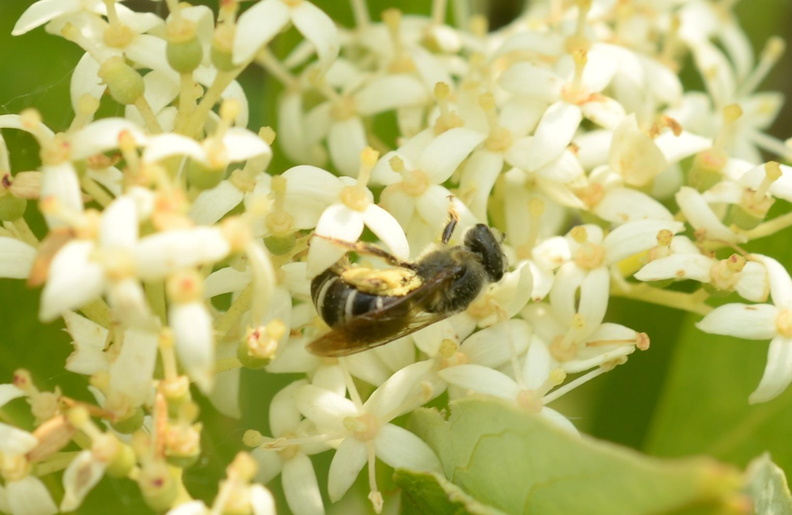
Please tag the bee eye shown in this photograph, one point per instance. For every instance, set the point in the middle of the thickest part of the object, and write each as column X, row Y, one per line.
column 480, row 240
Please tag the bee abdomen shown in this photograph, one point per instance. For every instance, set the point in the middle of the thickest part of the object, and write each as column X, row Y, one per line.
column 337, row 301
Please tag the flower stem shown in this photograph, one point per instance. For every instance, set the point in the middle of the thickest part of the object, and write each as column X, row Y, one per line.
column 691, row 302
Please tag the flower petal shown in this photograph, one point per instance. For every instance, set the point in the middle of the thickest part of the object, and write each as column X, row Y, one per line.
column 300, row 486
column 387, row 229
column 318, row 28
column 753, row 322
column 82, row 474
column 400, row 448
column 163, row 253
column 442, row 156
column 481, row 379
column 778, row 372
column 349, row 459
column 256, row 26
column 29, row 496
column 195, row 347
column 16, row 258
column 73, row 280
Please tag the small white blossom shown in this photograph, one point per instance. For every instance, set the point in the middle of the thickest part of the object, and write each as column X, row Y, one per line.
column 762, row 322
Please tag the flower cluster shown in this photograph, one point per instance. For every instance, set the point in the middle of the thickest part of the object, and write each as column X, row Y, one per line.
column 568, row 131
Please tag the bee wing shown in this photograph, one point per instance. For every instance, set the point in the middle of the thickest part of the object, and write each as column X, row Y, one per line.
column 356, row 334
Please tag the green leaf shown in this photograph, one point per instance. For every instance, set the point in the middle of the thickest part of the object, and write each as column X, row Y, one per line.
column 520, row 463
column 707, row 393
column 768, row 487
column 427, row 492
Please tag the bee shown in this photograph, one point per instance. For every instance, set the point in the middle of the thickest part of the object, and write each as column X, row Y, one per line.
column 367, row 307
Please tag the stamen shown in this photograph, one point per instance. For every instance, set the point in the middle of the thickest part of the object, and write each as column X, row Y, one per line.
column 447, row 119
column 771, row 53
column 360, row 13
column 585, row 378
column 439, row 12
column 772, row 174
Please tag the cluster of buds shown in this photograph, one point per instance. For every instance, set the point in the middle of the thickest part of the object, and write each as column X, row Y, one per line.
column 178, row 255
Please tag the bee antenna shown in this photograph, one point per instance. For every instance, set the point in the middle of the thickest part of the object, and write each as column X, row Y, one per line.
column 452, row 222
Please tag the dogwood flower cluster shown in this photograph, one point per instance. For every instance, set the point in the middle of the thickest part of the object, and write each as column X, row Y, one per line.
column 568, row 131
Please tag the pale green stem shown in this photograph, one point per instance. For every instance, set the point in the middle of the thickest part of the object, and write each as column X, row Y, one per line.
column 198, row 118
column 231, row 318
column 91, row 187
column 155, row 295
column 225, row 364
column 770, row 227
column 152, row 124
column 186, row 102
column 98, row 311
column 361, row 14
column 55, row 463
column 271, row 63
column 691, row 302
column 23, row 232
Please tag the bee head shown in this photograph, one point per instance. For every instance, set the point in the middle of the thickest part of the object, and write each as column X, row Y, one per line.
column 480, row 240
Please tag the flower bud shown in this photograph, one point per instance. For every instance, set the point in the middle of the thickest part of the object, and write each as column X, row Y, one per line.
column 131, row 423
column 280, row 245
column 184, row 50
column 203, row 178
column 222, row 44
column 123, row 82
column 185, row 57
column 11, row 208
column 157, row 485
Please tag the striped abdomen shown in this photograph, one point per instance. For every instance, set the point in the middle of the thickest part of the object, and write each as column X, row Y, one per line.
column 337, row 301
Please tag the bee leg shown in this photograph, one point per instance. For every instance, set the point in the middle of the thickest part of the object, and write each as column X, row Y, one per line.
column 451, row 225
column 368, row 249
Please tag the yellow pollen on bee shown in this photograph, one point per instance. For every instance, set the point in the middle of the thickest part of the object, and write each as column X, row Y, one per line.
column 784, row 322
column 391, row 281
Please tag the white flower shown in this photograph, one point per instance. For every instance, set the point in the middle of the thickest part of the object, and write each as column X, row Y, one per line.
column 349, row 206
column 297, row 473
column 762, row 322
column 83, row 269
column 82, row 474
column 534, row 379
column 703, row 217
column 747, row 278
column 259, row 24
column 16, row 258
column 365, row 430
column 23, row 493
column 414, row 174
column 581, row 342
